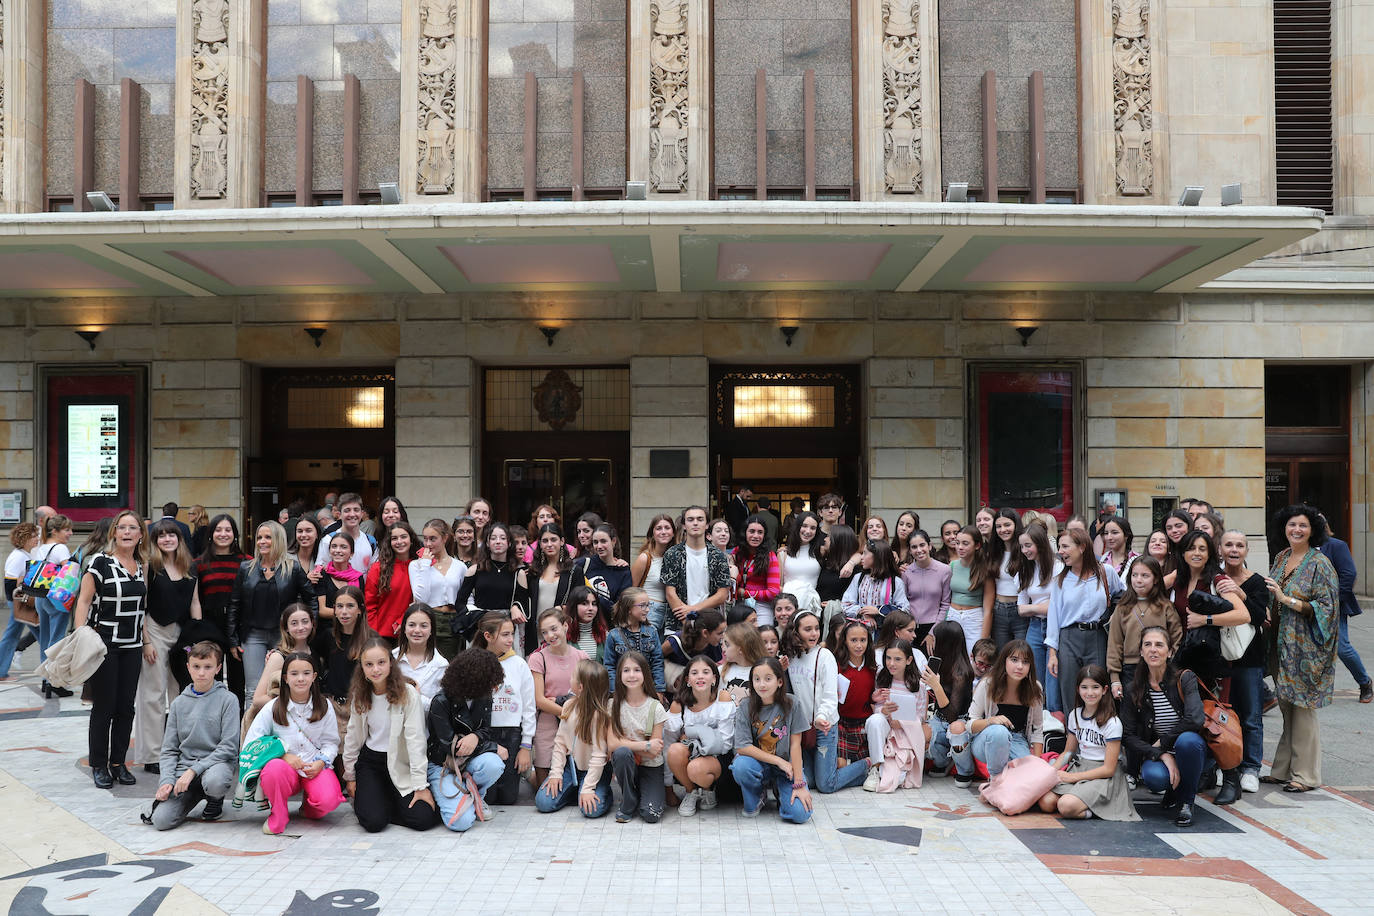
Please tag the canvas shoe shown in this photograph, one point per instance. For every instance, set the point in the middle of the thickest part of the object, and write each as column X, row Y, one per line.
column 688, row 806
column 872, row 779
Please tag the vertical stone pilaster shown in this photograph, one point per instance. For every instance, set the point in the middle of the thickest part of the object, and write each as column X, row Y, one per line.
column 670, row 97
column 899, row 100
column 916, row 439
column 441, row 101
column 219, row 103
column 669, row 403
column 435, row 420
column 1123, row 155
column 1352, row 69
column 21, row 106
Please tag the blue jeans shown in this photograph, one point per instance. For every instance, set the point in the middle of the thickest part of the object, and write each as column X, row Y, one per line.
column 996, row 746
column 752, row 776
column 1190, row 753
column 1347, row 654
column 1035, row 635
column 485, row 769
column 1245, row 696
column 945, row 747
column 10, row 641
column 547, row 803
column 52, row 624
column 658, row 613
column 1007, row 623
column 821, row 764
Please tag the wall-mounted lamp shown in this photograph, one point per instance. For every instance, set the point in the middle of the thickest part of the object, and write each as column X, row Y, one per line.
column 788, row 332
column 100, row 201
column 1027, row 332
column 89, row 337
column 317, row 334
column 957, row 192
column 549, row 332
column 1191, row 196
column 390, row 191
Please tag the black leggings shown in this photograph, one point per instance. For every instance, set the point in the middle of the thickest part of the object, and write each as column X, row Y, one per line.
column 376, row 801
column 113, row 688
column 506, row 790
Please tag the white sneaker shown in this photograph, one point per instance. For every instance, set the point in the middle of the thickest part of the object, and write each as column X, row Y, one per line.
column 688, row 806
column 1221, row 777
column 706, row 799
column 1249, row 783
column 755, row 812
column 872, row 779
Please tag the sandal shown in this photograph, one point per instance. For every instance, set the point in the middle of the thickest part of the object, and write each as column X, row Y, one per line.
column 1298, row 787
column 1273, row 780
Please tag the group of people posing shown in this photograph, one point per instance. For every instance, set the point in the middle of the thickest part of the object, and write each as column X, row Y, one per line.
column 425, row 674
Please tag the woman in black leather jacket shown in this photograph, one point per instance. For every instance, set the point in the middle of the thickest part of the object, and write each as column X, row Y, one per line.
column 1161, row 723
column 263, row 587
column 464, row 759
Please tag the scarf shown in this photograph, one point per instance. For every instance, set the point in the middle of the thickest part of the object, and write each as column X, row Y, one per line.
column 348, row 575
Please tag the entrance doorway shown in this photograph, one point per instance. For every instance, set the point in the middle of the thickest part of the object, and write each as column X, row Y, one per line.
column 787, row 433
column 321, row 431
column 1307, row 444
column 558, row 436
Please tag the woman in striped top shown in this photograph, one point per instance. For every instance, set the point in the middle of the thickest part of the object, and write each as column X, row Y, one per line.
column 1162, row 722
column 215, row 572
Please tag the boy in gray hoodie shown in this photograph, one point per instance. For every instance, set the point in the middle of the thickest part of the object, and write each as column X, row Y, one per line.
column 200, row 748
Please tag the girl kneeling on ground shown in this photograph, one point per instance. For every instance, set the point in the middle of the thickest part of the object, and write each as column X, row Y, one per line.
column 1090, row 781
column 767, row 726
column 463, row 762
column 578, row 768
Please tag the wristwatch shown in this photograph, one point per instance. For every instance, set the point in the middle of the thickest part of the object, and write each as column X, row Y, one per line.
column 1209, row 620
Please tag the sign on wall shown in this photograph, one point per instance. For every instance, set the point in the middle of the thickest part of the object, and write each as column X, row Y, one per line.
column 95, row 442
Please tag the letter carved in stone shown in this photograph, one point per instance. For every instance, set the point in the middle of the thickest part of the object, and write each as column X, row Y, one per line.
column 438, row 95
column 668, row 96
column 901, row 96
column 1132, row 103
column 210, row 99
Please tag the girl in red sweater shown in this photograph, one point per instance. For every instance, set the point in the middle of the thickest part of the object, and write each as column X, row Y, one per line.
column 856, row 704
column 759, row 580
column 388, row 580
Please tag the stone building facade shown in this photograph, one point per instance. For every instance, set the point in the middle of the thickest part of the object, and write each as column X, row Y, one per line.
column 795, row 155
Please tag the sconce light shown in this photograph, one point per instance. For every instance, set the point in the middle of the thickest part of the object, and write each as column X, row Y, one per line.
column 317, row 334
column 788, row 332
column 88, row 336
column 1027, row 332
column 549, row 333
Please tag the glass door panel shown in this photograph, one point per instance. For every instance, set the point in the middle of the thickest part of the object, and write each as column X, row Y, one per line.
column 585, row 485
column 529, row 482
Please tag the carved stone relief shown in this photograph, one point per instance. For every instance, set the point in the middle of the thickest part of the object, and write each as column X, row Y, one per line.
column 668, row 96
column 1132, row 102
column 2, row 99
column 209, row 99
column 901, row 96
column 438, row 94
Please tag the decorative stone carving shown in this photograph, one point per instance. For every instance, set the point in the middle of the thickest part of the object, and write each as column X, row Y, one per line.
column 668, row 79
column 902, row 96
column 2, row 99
column 437, row 87
column 1132, row 105
column 210, row 99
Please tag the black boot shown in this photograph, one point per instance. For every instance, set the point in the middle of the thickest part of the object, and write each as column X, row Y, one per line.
column 1230, row 788
column 1185, row 816
column 123, row 776
column 25, row 641
column 103, row 778
column 1170, row 801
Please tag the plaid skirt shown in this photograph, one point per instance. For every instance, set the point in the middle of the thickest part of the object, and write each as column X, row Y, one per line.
column 853, row 743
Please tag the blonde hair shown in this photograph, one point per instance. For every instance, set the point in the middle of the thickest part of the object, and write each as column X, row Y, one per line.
column 278, row 559
column 140, row 549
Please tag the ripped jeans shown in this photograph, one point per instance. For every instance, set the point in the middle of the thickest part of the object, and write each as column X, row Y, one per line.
column 945, row 747
column 821, row 764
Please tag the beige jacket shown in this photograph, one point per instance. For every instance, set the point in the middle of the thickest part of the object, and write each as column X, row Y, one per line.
column 1123, row 636
column 590, row 759
column 405, row 755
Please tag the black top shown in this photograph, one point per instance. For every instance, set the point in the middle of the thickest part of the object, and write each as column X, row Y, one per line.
column 960, row 698
column 1016, row 713
column 338, row 667
column 1257, row 603
column 492, row 590
column 245, row 611
column 170, row 602
column 830, row 586
column 262, row 613
column 450, row 718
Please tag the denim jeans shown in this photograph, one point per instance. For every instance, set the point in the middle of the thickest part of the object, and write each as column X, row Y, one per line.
column 945, row 747
column 1245, row 696
column 1190, row 753
column 641, row 787
column 752, row 776
column 10, row 641
column 1007, row 623
column 821, row 764
column 255, row 657
column 547, row 803
column 995, row 745
column 1347, row 654
column 658, row 613
column 1035, row 635
column 52, row 623
column 448, row 792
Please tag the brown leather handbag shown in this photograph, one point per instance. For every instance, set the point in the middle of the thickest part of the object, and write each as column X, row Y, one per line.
column 1220, row 728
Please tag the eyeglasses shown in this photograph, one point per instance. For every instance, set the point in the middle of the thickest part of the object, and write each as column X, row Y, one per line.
column 643, row 605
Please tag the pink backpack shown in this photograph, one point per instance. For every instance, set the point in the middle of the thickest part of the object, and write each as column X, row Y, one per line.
column 1020, row 785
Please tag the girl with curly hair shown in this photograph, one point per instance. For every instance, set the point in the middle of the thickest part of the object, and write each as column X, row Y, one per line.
column 463, row 760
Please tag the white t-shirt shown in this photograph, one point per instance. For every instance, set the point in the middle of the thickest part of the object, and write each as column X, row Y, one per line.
column 1093, row 738
column 698, row 576
column 1037, row 592
column 15, row 564
column 1007, row 585
column 362, row 553
column 379, row 724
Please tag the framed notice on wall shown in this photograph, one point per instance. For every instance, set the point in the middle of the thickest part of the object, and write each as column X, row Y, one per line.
column 96, row 442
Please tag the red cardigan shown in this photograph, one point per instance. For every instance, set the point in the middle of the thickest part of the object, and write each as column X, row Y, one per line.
column 385, row 609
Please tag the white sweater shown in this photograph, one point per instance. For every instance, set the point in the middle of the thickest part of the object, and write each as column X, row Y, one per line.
column 513, row 703
column 815, row 674
column 308, row 740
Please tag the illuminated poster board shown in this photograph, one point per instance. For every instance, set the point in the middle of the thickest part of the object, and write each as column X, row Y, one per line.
column 95, row 442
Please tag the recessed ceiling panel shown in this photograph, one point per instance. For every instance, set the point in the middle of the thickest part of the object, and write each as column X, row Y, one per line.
column 291, row 267
column 534, row 263
column 56, row 270
column 798, row 262
column 1069, row 263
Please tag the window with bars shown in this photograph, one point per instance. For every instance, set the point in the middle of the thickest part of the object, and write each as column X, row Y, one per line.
column 362, row 407
column 1303, row 150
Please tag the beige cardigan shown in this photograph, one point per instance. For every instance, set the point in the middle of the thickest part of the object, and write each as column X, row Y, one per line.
column 405, row 756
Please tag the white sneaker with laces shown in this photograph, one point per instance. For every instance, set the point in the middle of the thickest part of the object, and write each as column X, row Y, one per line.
column 1249, row 783
column 707, row 799
column 872, row 779
column 688, row 806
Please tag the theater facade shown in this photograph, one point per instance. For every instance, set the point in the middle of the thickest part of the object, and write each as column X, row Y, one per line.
column 625, row 257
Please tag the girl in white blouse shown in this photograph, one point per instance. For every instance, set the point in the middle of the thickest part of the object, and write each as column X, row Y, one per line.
column 435, row 579
column 417, row 655
column 700, row 734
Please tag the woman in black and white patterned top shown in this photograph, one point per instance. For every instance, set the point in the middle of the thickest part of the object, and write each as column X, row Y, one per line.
column 113, row 600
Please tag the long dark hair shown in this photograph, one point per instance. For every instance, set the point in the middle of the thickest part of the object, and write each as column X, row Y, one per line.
column 1210, row 570
column 419, row 607
column 1157, row 598
column 318, row 706
column 235, row 549
column 1127, row 535
column 1028, row 691
column 472, row 675
column 840, row 645
column 540, row 562
column 294, row 547
column 576, row 595
column 841, row 544
column 794, row 541
column 594, row 522
column 1092, row 569
column 1141, row 685
column 951, row 648
column 360, row 688
column 887, row 630
column 979, row 566
column 682, row 692
column 386, row 554
column 791, row 643
column 911, row 677
column 1176, row 549
column 361, row 631
column 997, row 549
column 622, row 693
column 1106, row 707
column 884, row 561
column 753, row 561
column 484, row 560
column 1039, row 572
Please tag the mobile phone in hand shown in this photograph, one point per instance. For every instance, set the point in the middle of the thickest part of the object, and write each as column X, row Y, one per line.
column 933, row 663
